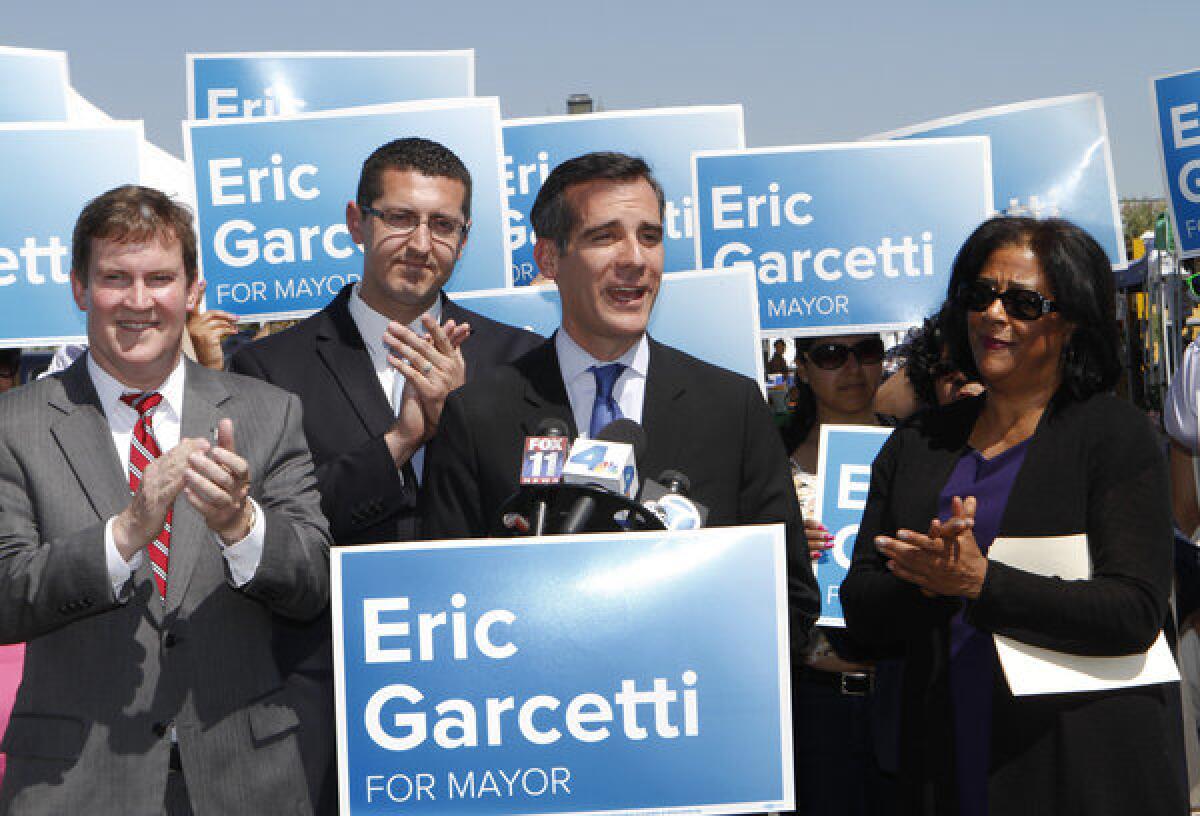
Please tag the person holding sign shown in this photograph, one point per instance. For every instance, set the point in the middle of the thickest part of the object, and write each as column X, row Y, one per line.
column 372, row 370
column 154, row 515
column 1045, row 452
column 598, row 219
column 837, row 772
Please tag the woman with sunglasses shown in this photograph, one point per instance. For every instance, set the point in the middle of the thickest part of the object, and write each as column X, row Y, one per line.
column 832, row 691
column 1046, row 451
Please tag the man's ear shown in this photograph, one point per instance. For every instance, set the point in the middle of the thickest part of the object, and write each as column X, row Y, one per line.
column 79, row 291
column 545, row 254
column 195, row 293
column 462, row 244
column 354, row 223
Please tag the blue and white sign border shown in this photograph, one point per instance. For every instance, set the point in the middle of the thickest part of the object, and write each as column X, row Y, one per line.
column 340, row 113
column 783, row 653
column 866, row 328
column 1168, row 187
column 193, row 58
column 1033, row 104
column 137, row 128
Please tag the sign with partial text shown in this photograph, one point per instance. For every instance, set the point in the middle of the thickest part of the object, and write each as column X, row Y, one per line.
column 50, row 172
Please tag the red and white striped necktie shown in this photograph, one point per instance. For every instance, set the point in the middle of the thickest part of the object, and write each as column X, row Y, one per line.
column 143, row 449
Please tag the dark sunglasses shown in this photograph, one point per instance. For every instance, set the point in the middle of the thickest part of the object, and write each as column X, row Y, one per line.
column 1023, row 304
column 832, row 356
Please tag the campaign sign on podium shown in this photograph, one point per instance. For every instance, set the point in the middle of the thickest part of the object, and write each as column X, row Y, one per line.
column 710, row 315
column 50, row 172
column 630, row 672
column 842, row 238
column 1178, row 100
column 1050, row 157
column 843, row 478
column 230, row 86
column 271, row 198
column 664, row 137
column 33, row 85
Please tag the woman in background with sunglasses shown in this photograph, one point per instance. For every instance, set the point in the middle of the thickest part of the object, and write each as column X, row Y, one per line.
column 833, row 693
column 1046, row 451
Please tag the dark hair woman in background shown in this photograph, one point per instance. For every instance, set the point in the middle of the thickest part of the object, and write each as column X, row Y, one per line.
column 838, row 771
column 1046, row 451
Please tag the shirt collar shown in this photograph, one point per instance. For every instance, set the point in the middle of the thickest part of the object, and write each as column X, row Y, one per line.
column 575, row 362
column 372, row 325
column 110, row 390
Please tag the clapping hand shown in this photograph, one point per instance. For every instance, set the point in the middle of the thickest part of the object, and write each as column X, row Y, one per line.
column 945, row 561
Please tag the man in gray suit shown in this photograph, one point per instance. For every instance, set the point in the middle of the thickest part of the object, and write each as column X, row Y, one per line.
column 149, row 684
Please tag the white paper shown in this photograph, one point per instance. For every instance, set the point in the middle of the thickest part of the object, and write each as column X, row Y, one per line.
column 1034, row 670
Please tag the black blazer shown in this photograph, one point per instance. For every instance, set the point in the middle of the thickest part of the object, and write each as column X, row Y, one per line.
column 1092, row 467
column 707, row 422
column 324, row 362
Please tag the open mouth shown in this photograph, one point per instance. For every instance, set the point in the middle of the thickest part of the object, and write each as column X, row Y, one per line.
column 994, row 343
column 626, row 295
column 136, row 325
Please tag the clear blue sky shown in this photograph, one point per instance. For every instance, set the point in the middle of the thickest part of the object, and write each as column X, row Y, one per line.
column 805, row 72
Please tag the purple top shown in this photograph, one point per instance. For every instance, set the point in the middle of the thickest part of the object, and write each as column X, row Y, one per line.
column 973, row 653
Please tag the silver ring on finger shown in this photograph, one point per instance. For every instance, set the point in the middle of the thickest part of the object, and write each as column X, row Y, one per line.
column 425, row 369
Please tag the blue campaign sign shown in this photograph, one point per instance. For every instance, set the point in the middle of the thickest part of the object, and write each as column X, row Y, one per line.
column 50, row 172
column 843, row 478
column 1049, row 157
column 1178, row 100
column 664, row 137
column 569, row 674
column 842, row 237
column 34, row 85
column 224, row 86
column 271, row 199
column 710, row 315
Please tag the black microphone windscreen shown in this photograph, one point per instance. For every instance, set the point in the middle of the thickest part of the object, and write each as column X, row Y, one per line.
column 552, row 426
column 628, row 432
column 675, row 480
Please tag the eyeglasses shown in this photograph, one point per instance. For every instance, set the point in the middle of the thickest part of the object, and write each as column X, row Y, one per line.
column 1023, row 304
column 832, row 356
column 442, row 228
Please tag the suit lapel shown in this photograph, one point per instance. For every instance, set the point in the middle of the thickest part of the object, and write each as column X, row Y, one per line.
column 545, row 394
column 203, row 394
column 341, row 349
column 663, row 409
column 83, row 435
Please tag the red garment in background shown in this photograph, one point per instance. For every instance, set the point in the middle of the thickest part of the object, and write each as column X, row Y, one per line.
column 11, row 659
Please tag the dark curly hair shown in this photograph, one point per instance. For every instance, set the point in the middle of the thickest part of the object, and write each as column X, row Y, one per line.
column 1081, row 284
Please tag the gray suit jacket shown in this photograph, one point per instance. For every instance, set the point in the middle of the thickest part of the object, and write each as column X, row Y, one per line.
column 106, row 677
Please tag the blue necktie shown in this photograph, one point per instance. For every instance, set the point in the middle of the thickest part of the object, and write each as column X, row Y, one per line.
column 605, row 408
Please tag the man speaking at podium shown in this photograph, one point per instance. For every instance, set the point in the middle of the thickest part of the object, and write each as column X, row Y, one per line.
column 598, row 220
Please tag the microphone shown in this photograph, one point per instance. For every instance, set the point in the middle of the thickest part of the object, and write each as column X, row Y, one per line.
column 608, row 462
column 542, row 461
column 667, row 497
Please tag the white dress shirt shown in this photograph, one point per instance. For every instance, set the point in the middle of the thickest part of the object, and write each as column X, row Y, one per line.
column 244, row 556
column 629, row 391
column 372, row 326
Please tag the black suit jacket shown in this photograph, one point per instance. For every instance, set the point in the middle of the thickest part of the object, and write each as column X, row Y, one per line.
column 1092, row 467
column 323, row 360
column 707, row 422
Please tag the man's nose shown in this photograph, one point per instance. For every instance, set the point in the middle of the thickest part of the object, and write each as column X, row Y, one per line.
column 421, row 238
